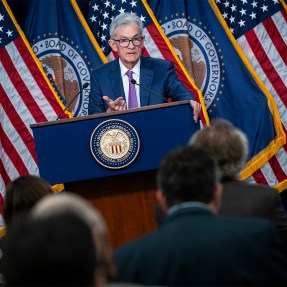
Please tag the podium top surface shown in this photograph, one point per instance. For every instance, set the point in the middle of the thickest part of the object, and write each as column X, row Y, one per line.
column 110, row 114
column 68, row 150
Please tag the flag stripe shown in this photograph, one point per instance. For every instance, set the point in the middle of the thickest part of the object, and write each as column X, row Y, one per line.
column 265, row 62
column 275, row 165
column 270, row 172
column 9, row 169
column 31, row 71
column 151, row 33
column 15, row 122
column 12, row 142
column 159, row 49
column 21, row 67
column 258, row 176
column 161, row 46
column 12, row 152
column 269, row 175
column 253, row 60
column 275, row 38
column 12, row 76
column 284, row 14
column 4, row 177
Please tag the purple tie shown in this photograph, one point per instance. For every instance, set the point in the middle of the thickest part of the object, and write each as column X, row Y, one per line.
column 133, row 103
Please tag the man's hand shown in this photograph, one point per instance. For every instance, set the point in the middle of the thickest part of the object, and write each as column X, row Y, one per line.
column 196, row 109
column 117, row 105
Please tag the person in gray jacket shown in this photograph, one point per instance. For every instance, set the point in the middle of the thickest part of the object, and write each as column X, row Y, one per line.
column 229, row 146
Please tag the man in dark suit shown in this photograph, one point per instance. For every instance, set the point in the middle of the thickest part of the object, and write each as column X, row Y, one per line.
column 194, row 247
column 229, row 146
column 110, row 83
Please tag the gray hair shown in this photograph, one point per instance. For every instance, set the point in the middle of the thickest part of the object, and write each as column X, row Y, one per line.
column 125, row 19
column 226, row 143
column 71, row 202
column 81, row 207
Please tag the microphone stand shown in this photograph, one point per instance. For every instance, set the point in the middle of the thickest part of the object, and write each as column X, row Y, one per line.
column 68, row 105
column 134, row 82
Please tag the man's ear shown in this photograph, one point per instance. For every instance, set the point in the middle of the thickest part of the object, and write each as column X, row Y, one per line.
column 142, row 44
column 113, row 45
column 216, row 200
column 161, row 200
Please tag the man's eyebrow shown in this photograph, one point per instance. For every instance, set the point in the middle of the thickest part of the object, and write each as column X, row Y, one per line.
column 125, row 37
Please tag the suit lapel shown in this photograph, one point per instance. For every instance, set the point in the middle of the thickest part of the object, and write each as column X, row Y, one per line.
column 146, row 76
column 115, row 80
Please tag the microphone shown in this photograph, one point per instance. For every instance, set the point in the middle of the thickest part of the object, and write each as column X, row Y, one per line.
column 134, row 82
column 85, row 85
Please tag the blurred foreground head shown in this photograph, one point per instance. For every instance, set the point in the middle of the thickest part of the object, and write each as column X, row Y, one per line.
column 54, row 251
column 70, row 202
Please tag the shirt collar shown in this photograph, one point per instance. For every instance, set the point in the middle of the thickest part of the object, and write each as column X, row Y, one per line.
column 135, row 69
column 188, row 204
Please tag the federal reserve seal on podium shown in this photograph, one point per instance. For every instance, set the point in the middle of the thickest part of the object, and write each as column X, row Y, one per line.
column 114, row 144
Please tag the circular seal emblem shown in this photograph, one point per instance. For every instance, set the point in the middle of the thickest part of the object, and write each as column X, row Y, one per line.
column 114, row 144
column 200, row 53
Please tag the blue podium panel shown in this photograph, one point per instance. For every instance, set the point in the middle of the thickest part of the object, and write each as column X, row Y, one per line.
column 64, row 147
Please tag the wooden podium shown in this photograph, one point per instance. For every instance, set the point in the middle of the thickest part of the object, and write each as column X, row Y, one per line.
column 126, row 195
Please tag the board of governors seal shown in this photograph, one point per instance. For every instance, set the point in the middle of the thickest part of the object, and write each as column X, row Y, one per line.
column 114, row 144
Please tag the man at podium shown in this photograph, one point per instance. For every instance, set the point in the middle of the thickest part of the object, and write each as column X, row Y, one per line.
column 131, row 80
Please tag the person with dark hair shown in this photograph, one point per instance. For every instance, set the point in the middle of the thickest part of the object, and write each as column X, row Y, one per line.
column 229, row 146
column 20, row 197
column 193, row 246
column 53, row 251
column 113, row 85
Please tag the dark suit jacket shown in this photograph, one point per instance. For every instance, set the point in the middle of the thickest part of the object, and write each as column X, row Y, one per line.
column 193, row 247
column 242, row 199
column 155, row 74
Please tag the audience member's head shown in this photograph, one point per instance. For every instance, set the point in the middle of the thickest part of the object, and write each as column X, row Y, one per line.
column 20, row 197
column 124, row 19
column 126, row 31
column 188, row 174
column 56, row 204
column 52, row 251
column 226, row 143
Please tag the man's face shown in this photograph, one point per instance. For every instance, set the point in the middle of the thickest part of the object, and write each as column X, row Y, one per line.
column 129, row 55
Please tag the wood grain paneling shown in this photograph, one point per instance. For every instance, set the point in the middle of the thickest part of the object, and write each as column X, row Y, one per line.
column 127, row 202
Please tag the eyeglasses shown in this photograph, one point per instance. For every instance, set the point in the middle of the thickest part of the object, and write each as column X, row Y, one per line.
column 125, row 42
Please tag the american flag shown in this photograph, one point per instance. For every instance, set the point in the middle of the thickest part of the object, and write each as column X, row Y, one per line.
column 26, row 97
column 231, row 88
column 157, row 45
column 260, row 28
